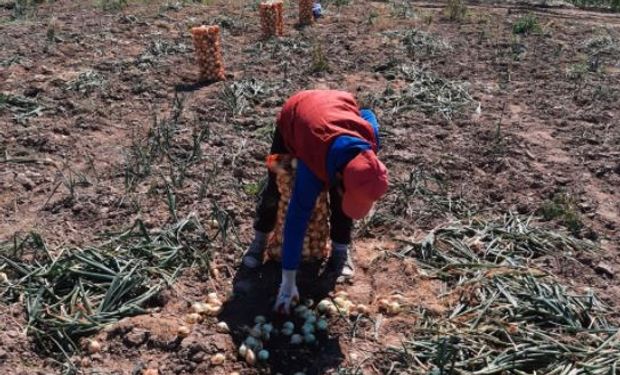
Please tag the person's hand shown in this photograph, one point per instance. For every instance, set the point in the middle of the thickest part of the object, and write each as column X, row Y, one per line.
column 287, row 294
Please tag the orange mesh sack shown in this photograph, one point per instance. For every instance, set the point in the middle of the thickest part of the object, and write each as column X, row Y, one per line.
column 208, row 52
column 271, row 18
column 315, row 243
column 305, row 12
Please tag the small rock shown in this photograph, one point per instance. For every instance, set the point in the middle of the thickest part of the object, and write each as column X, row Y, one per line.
column 77, row 208
column 198, row 357
column 136, row 337
column 605, row 268
column 562, row 180
column 536, row 184
column 85, row 362
column 194, row 347
column 219, row 342
column 24, row 181
column 3, row 355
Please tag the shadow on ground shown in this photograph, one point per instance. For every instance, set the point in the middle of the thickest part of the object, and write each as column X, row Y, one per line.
column 254, row 294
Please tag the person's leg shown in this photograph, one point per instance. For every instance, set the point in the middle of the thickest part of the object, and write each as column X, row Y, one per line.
column 266, row 211
column 340, row 224
column 339, row 263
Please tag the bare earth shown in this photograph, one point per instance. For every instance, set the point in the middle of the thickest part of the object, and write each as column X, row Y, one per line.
column 96, row 80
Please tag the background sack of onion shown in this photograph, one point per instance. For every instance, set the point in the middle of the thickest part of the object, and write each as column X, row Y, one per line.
column 208, row 52
column 316, row 240
column 271, row 18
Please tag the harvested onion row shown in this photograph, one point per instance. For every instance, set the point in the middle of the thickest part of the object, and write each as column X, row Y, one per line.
column 306, row 16
column 208, row 52
column 315, row 243
column 271, row 18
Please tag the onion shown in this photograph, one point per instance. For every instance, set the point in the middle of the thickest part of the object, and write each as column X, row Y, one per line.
column 218, row 359
column 212, row 298
column 183, row 331
column 340, row 302
column 267, row 328
column 342, row 294
column 256, row 332
column 251, row 342
column 332, row 310
column 222, row 327
column 199, row 308
column 301, row 310
column 213, row 309
column 94, row 346
column 243, row 349
column 193, row 318
column 296, row 339
column 363, row 309
column 384, row 303
column 394, row 308
column 323, row 305
column 263, row 355
column 309, row 338
column 307, row 328
column 288, row 325
column 287, row 332
column 250, row 357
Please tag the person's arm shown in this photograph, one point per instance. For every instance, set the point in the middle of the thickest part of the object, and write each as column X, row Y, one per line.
column 305, row 193
column 368, row 115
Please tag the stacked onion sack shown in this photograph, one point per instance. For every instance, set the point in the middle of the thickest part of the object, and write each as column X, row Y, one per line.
column 271, row 18
column 209, row 52
column 306, row 16
column 315, row 243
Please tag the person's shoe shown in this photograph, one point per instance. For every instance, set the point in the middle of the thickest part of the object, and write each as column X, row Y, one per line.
column 252, row 259
column 339, row 266
column 253, row 256
column 347, row 271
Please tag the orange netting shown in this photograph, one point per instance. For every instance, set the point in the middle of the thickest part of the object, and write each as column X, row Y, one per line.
column 271, row 18
column 317, row 235
column 208, row 52
column 305, row 12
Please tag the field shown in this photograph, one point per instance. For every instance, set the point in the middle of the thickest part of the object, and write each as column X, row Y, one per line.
column 128, row 187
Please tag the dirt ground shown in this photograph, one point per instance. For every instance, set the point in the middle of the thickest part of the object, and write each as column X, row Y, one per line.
column 542, row 130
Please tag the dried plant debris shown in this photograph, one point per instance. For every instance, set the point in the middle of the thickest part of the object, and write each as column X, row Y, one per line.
column 86, row 82
column 74, row 292
column 238, row 96
column 429, row 93
column 20, row 106
column 421, row 43
column 511, row 317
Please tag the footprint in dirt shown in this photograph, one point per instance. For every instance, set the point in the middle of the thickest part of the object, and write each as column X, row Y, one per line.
column 254, row 294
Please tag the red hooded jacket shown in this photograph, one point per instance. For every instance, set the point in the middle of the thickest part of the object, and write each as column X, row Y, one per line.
column 311, row 120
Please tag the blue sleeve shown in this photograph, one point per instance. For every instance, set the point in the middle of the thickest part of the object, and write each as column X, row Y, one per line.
column 305, row 193
column 369, row 116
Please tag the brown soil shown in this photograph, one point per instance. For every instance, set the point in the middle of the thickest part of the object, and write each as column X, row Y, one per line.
column 62, row 168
